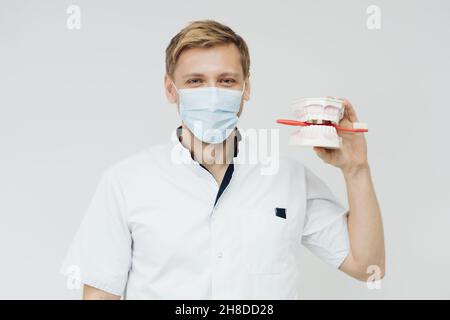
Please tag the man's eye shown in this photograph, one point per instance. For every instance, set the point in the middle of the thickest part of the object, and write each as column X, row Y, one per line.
column 194, row 81
column 228, row 81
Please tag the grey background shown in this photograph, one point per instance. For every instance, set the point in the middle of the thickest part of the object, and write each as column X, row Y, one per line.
column 74, row 102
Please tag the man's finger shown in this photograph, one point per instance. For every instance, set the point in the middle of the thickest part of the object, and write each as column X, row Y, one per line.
column 349, row 111
column 322, row 153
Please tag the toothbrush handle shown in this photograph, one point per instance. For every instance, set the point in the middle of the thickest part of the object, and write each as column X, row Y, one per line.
column 350, row 129
column 291, row 122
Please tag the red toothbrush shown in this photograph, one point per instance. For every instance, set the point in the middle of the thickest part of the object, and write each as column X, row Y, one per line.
column 303, row 124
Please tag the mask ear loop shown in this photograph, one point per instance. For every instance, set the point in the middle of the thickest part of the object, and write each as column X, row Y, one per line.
column 173, row 83
column 176, row 89
column 243, row 89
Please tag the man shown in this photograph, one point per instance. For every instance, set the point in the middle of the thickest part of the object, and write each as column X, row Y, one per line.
column 187, row 220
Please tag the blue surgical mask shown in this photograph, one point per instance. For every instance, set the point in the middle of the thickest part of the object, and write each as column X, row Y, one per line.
column 210, row 112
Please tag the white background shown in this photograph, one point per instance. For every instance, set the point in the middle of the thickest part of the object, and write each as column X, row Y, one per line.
column 73, row 102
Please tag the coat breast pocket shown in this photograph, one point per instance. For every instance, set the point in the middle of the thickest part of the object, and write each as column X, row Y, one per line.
column 265, row 242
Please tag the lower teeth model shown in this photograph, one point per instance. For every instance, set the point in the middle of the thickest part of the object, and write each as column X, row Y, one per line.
column 319, row 119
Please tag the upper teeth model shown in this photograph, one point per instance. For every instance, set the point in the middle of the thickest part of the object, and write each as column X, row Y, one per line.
column 316, row 111
column 319, row 119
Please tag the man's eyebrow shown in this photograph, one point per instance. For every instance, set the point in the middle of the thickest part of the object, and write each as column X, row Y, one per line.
column 231, row 74
column 192, row 75
column 196, row 74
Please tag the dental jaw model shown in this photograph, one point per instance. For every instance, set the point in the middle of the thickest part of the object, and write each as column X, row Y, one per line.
column 318, row 119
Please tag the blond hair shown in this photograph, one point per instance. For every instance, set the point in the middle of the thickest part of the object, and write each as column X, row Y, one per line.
column 205, row 34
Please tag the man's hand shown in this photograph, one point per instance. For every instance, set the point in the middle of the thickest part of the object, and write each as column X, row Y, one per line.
column 92, row 293
column 353, row 153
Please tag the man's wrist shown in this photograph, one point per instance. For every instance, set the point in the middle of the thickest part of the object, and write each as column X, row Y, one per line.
column 356, row 171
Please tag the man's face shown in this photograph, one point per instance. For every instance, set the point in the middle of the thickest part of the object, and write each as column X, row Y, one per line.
column 218, row 66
